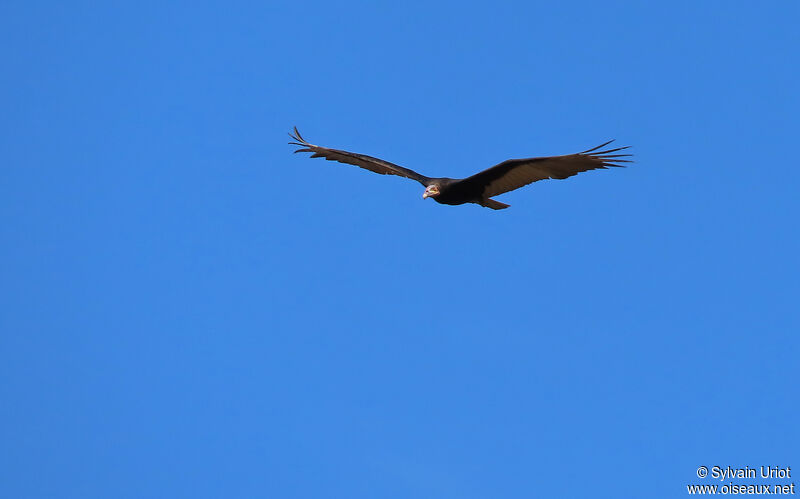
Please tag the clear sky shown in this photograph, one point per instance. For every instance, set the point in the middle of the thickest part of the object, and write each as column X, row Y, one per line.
column 190, row 310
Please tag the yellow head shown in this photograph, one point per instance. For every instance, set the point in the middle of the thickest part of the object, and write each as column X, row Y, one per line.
column 431, row 191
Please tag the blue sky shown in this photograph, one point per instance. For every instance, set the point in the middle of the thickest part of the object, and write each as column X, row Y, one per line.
column 190, row 310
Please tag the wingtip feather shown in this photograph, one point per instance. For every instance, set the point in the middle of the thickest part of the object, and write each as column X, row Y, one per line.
column 608, row 157
column 295, row 135
column 598, row 147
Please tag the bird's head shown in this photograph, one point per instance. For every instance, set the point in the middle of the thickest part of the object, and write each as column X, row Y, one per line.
column 431, row 191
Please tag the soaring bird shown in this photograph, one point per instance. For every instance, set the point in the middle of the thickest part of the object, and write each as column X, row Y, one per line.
column 503, row 177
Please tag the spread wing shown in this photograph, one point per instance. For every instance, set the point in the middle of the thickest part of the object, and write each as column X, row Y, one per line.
column 351, row 158
column 515, row 173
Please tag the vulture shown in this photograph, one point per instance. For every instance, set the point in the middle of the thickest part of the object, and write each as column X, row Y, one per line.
column 479, row 188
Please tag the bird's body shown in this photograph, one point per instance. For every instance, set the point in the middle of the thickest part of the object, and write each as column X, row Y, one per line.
column 452, row 192
column 455, row 191
column 479, row 188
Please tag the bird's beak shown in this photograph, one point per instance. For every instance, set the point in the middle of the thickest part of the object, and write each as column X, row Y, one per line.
column 424, row 194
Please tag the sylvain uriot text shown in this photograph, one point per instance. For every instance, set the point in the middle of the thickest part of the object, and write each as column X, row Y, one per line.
column 748, row 472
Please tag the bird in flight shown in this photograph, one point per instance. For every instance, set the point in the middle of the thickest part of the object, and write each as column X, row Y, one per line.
column 479, row 188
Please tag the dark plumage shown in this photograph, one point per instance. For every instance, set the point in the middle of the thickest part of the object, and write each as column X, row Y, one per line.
column 506, row 176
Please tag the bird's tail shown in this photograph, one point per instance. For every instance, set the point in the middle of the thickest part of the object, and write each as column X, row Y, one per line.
column 495, row 205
